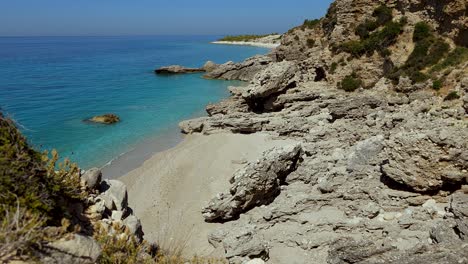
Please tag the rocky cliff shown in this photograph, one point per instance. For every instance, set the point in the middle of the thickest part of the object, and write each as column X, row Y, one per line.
column 376, row 96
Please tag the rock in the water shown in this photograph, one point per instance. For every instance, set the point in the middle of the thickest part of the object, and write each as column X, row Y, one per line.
column 79, row 249
column 177, row 69
column 256, row 184
column 105, row 119
column 114, row 195
column 210, row 66
column 92, row 178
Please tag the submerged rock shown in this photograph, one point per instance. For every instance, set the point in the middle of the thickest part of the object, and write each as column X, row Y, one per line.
column 105, row 119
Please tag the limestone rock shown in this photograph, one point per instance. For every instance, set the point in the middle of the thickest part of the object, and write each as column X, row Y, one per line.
column 274, row 79
column 210, row 66
column 256, row 184
column 106, row 119
column 92, row 178
column 243, row 71
column 134, row 225
column 114, row 195
column 79, row 249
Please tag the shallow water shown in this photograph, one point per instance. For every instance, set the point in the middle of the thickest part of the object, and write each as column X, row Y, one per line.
column 49, row 85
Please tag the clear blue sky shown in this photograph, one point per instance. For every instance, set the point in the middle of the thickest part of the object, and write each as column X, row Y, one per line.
column 152, row 17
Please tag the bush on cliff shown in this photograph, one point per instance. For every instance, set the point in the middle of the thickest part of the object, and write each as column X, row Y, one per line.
column 454, row 58
column 350, row 83
column 34, row 192
column 310, row 23
column 427, row 52
column 371, row 40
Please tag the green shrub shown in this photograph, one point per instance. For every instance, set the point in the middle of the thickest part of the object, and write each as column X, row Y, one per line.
column 350, row 83
column 296, row 38
column 428, row 51
column 437, row 84
column 32, row 178
column 310, row 43
column 333, row 67
column 371, row 40
column 457, row 56
column 452, row 96
column 383, row 14
column 421, row 31
column 363, row 30
column 311, row 24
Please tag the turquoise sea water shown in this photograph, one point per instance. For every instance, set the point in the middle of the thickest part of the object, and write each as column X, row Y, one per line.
column 49, row 85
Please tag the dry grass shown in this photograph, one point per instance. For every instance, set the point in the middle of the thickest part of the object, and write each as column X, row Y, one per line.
column 20, row 230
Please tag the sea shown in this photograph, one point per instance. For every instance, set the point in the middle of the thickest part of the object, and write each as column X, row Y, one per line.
column 50, row 85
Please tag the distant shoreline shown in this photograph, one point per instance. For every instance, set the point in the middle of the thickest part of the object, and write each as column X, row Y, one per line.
column 248, row 43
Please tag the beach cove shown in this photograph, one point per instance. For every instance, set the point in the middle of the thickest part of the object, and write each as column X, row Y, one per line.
column 69, row 79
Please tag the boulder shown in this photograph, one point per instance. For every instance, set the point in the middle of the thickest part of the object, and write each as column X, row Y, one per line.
column 114, row 195
column 276, row 78
column 240, row 243
column 243, row 71
column 106, row 119
column 92, row 178
column 256, row 184
column 177, row 69
column 79, row 249
column 134, row 226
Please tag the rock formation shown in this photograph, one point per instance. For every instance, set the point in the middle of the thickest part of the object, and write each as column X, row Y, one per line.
column 106, row 119
column 177, row 69
column 383, row 172
column 106, row 210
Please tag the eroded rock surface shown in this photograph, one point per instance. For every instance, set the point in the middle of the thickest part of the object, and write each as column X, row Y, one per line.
column 256, row 184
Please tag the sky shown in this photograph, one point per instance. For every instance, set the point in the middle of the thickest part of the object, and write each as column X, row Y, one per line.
column 154, row 17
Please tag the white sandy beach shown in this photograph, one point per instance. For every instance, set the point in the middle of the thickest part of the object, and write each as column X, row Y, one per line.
column 168, row 191
column 248, row 43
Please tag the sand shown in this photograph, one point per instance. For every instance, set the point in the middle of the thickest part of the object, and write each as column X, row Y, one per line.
column 168, row 191
column 248, row 43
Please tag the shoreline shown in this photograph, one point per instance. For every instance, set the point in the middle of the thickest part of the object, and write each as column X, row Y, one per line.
column 248, row 43
column 168, row 190
column 141, row 152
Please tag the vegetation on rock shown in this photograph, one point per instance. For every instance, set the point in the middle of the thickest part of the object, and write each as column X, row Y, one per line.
column 428, row 51
column 310, row 23
column 350, row 83
column 372, row 40
column 452, row 96
column 454, row 58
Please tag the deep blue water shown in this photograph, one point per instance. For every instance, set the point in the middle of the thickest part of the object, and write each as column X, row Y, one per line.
column 49, row 85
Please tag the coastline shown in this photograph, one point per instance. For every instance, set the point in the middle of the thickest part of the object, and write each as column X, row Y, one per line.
column 141, row 152
column 248, row 43
column 199, row 167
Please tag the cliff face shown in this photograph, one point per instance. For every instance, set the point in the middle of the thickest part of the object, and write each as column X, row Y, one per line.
column 376, row 96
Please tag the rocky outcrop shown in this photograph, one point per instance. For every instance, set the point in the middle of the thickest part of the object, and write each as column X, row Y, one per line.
column 256, row 184
column 243, row 71
column 382, row 176
column 105, row 212
column 78, row 249
column 177, row 69
column 106, row 119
